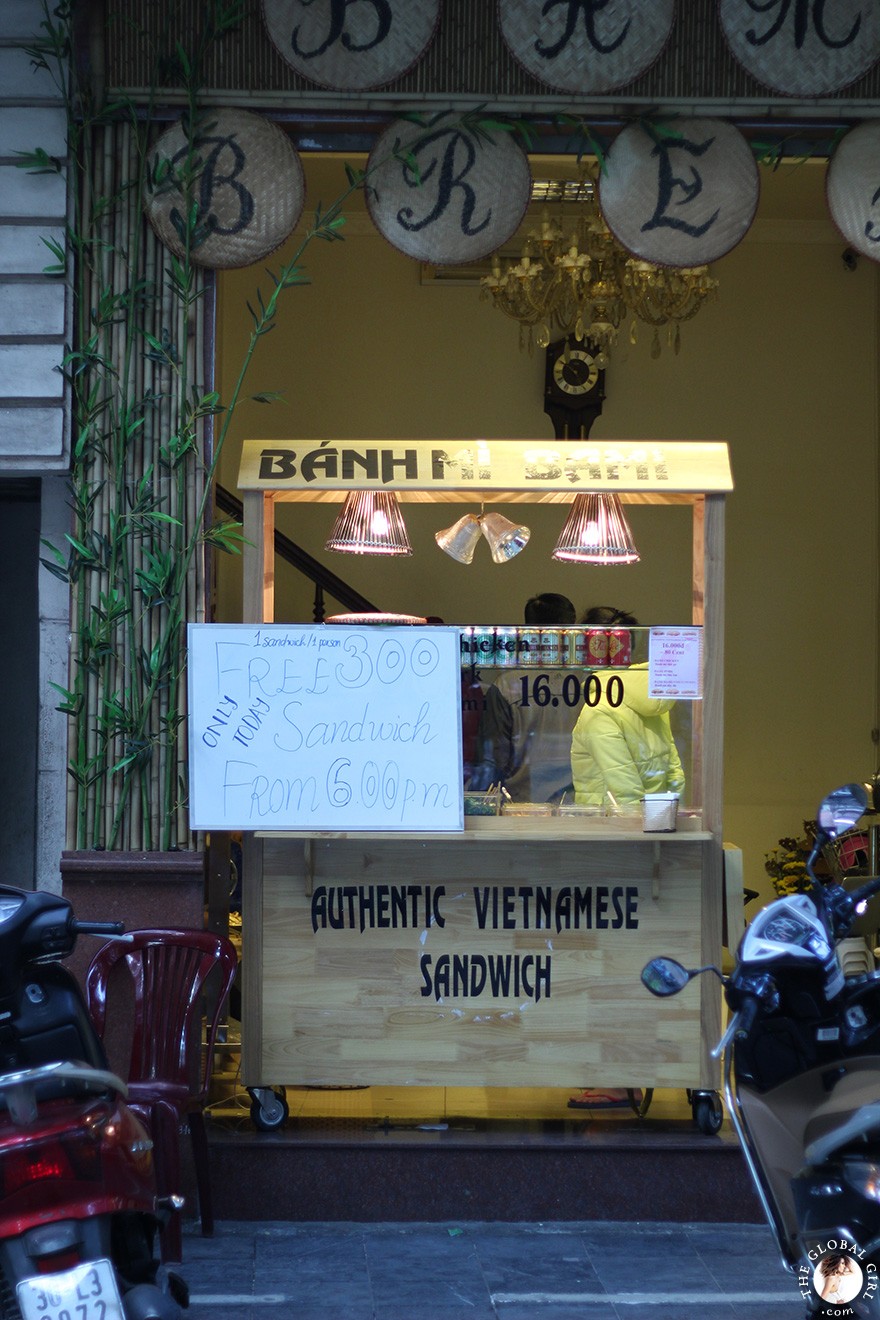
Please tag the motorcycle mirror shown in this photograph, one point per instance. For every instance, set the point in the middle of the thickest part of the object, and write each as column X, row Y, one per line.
column 841, row 809
column 665, row 976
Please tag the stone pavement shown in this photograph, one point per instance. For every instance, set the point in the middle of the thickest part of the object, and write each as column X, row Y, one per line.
column 424, row 1271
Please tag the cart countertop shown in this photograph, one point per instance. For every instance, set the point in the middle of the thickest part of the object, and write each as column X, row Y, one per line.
column 536, row 829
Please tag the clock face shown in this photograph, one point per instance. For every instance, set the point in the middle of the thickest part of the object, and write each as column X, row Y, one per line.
column 576, row 376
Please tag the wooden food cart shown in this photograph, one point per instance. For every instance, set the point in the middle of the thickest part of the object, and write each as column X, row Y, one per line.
column 506, row 952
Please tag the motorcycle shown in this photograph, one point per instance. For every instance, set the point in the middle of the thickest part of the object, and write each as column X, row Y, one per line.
column 79, row 1213
column 801, row 1075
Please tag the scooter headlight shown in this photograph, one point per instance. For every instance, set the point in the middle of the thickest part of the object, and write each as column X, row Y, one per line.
column 864, row 1178
column 9, row 905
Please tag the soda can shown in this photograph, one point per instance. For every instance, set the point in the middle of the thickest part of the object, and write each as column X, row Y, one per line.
column 551, row 647
column 484, row 644
column 596, row 647
column 619, row 647
column 505, row 646
column 467, row 646
column 576, row 648
column 529, row 646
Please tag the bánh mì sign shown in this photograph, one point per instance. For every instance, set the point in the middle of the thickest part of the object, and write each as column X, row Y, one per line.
column 304, row 469
column 316, row 727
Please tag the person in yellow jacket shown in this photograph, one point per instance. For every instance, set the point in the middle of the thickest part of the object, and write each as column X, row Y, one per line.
column 620, row 753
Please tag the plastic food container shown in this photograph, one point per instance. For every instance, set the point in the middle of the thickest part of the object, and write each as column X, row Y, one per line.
column 482, row 804
column 659, row 812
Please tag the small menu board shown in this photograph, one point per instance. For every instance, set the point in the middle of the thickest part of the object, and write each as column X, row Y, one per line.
column 324, row 727
column 675, row 663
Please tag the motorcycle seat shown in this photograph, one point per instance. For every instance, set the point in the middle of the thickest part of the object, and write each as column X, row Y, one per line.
column 851, row 1113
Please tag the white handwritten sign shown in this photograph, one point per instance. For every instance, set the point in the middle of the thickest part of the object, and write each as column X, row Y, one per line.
column 675, row 662
column 324, row 727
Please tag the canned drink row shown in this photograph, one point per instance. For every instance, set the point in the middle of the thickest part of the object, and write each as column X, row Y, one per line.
column 581, row 648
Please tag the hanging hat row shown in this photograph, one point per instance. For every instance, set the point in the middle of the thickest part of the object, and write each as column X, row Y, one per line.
column 796, row 49
column 249, row 190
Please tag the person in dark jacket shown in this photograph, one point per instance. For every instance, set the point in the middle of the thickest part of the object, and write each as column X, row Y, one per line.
column 522, row 745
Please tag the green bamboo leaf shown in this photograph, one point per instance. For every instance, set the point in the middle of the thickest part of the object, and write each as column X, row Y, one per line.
column 71, row 701
column 38, row 162
column 60, row 265
column 59, row 557
column 79, row 547
column 293, row 275
column 226, row 536
column 61, row 573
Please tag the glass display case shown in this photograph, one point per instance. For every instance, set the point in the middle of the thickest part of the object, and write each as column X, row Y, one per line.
column 579, row 721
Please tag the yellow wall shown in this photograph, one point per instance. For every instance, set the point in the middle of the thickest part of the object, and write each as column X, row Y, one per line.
column 782, row 367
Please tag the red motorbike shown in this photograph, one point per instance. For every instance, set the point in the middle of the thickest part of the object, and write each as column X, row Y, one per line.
column 79, row 1214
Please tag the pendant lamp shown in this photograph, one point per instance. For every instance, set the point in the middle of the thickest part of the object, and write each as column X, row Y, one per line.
column 505, row 538
column 596, row 532
column 369, row 523
column 460, row 540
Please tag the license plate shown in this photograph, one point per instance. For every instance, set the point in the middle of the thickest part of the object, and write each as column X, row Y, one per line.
column 87, row 1292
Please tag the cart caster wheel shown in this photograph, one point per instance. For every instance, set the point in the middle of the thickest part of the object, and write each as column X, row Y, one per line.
column 708, row 1111
column 269, row 1110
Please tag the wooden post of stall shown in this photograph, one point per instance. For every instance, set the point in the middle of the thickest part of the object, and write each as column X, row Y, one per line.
column 258, row 557
column 708, row 611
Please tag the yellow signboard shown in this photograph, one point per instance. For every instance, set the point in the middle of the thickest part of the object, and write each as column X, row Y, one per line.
column 305, row 469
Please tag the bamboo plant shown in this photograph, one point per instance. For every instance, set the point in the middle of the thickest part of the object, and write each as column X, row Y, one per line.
column 147, row 439
column 147, row 433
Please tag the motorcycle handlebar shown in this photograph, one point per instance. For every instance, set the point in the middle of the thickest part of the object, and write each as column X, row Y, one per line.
column 864, row 892
column 107, row 928
column 748, row 1011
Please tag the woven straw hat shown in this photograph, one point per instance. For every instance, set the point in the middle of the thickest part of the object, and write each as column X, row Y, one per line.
column 374, row 44
column 681, row 196
column 248, row 186
column 465, row 198
column 800, row 50
column 851, row 188
column 593, row 53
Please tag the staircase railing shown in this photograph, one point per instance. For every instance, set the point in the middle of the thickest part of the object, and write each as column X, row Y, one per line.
column 324, row 579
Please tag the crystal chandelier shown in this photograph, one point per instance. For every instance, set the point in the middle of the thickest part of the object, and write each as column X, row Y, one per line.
column 579, row 280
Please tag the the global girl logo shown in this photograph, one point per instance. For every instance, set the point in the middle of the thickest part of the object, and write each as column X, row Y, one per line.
column 838, row 1275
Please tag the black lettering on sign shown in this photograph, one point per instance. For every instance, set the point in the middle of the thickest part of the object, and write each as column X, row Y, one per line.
column 322, row 460
column 500, row 975
column 337, row 32
column 803, row 13
column 364, row 462
column 213, row 181
column 277, row 463
column 872, row 230
column 589, row 9
column 454, row 156
column 668, row 181
column 371, row 907
column 570, row 907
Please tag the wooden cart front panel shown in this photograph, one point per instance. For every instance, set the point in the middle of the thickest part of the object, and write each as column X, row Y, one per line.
column 473, row 962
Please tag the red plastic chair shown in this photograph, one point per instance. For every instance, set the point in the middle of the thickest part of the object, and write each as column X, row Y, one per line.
column 169, row 1069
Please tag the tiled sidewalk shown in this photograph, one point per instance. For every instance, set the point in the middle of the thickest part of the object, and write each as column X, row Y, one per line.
column 559, row 1271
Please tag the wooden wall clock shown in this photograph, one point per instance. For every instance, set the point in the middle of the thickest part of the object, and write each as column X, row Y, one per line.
column 574, row 387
